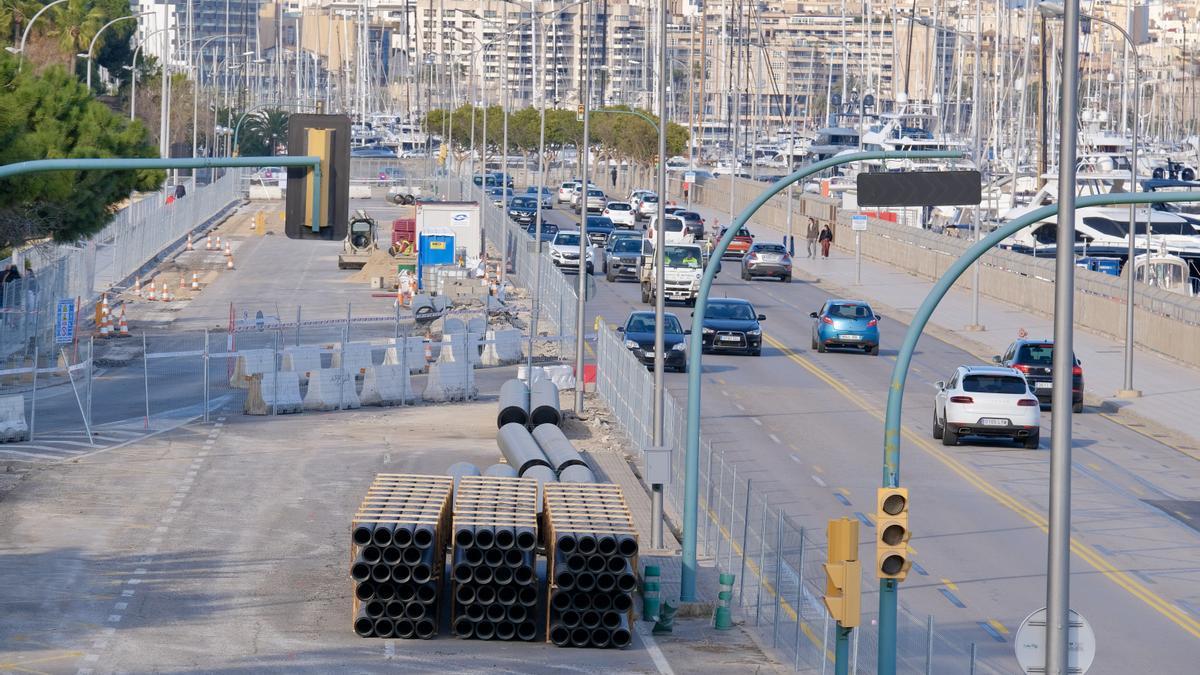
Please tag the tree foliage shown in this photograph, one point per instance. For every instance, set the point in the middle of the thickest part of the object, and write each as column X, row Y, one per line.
column 66, row 30
column 262, row 132
column 50, row 114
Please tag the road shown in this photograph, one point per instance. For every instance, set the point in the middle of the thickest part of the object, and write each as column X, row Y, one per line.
column 808, row 427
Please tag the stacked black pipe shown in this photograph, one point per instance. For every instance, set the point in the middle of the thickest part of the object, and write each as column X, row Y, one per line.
column 398, row 554
column 494, row 566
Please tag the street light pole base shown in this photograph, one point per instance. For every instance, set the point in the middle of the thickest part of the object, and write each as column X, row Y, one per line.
column 1129, row 393
column 975, row 328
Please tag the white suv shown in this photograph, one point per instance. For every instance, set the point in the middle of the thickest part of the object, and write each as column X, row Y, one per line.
column 564, row 252
column 566, row 190
column 986, row 401
column 620, row 213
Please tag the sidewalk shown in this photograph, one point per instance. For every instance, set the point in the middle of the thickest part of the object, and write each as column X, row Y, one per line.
column 1170, row 390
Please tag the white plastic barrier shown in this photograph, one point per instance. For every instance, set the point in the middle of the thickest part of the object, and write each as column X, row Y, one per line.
column 302, row 360
column 454, row 348
column 267, row 192
column 503, row 348
column 412, row 354
column 562, row 376
column 360, row 192
column 357, row 357
column 251, row 362
column 282, row 389
column 330, row 389
column 477, row 324
column 387, row 385
column 451, row 325
column 12, row 419
column 450, row 378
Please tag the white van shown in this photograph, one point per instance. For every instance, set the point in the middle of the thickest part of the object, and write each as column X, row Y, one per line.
column 676, row 231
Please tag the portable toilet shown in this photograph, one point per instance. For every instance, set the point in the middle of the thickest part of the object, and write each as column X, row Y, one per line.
column 435, row 247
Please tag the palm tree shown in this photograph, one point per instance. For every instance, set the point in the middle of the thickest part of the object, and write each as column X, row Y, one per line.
column 264, row 131
column 79, row 19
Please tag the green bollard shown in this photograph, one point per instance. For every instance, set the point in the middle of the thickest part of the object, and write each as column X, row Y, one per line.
column 650, row 593
column 666, row 620
column 723, row 614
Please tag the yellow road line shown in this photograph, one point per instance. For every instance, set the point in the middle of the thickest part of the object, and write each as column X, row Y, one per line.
column 910, row 548
column 19, row 665
column 998, row 626
column 818, row 469
column 1088, row 554
column 950, row 584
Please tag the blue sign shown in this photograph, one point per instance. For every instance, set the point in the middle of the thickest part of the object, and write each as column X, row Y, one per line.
column 64, row 322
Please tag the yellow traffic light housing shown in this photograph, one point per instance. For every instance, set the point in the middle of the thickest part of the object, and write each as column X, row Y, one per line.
column 892, row 534
column 843, row 573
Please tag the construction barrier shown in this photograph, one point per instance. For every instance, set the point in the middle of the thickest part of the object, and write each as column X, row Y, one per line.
column 450, row 378
column 12, row 419
column 281, row 389
column 387, row 385
column 408, row 351
column 302, row 360
column 354, row 357
column 451, row 325
column 454, row 347
column 251, row 362
column 477, row 324
column 330, row 389
column 474, row 348
column 360, row 192
column 502, row 348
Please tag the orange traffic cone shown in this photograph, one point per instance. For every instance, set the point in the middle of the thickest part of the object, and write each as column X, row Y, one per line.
column 228, row 250
column 208, row 243
column 105, row 318
column 150, row 295
column 123, row 325
column 189, row 242
column 229, row 263
column 137, row 286
column 182, row 281
column 162, row 295
column 195, row 281
column 218, row 242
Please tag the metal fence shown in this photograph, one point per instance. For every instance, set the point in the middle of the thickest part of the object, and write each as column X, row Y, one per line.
column 776, row 560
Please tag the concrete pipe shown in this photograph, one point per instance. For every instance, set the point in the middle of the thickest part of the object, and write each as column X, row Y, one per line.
column 380, row 573
column 414, row 611
column 485, row 537
column 543, row 403
column 385, row 591
column 485, row 630
column 426, row 628
column 526, row 631
column 384, row 627
column 580, row 637
column 500, row 471
column 485, row 595
column 464, row 536
column 560, row 601
column 464, row 594
column 360, row 572
column 526, row 538
column 626, row 582
column 622, row 602
column 411, row 556
column 611, row 620
column 422, row 573
column 601, row 638
column 364, row 627
column 570, row 618
column 585, row 581
column 602, row 601
column 394, row 610
column 560, row 635
column 427, row 594
column 577, row 474
column 505, row 630
column 474, row 613
column 543, row 475
column 515, row 557
column 482, row 575
column 402, row 535
column 494, row 613
column 405, row 629
column 460, row 469
column 527, row 596
column 402, row 574
column 365, row 590
column 586, row 544
column 464, row 627
column 627, row 545
column 519, row 448
column 564, row 579
column 565, row 543
column 371, row 555
column 382, row 534
column 503, row 576
column 590, row 619
column 514, row 404
column 362, row 533
column 422, row 536
column 405, row 592
column 605, row 582
column 557, row 447
column 506, row 595
column 523, row 575
column 517, row 613
column 596, row 564
column 493, row 557
column 606, row 545
column 391, row 555
column 505, row 538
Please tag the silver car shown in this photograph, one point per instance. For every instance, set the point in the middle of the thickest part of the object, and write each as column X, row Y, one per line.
column 767, row 260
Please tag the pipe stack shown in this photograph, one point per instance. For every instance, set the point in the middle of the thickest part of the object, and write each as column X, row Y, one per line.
column 562, row 455
column 525, row 456
column 543, row 403
column 494, row 565
column 592, row 549
column 513, row 404
column 398, row 550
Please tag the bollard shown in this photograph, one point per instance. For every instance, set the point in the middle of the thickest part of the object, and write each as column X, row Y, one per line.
column 650, row 593
column 722, row 615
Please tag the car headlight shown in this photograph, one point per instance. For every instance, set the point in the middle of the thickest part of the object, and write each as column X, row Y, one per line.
column 754, row 333
column 555, row 253
column 707, row 331
column 630, row 344
column 678, row 347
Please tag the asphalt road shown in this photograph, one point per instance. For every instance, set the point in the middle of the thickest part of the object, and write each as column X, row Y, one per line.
column 808, row 427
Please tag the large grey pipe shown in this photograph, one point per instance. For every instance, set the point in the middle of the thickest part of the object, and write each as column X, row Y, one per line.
column 577, row 474
column 558, row 449
column 521, row 451
column 460, row 469
column 500, row 471
column 543, row 403
column 514, row 404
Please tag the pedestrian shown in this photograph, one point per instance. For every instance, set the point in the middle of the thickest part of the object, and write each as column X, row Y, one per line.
column 31, row 286
column 9, row 285
column 826, row 239
column 811, row 236
column 612, row 174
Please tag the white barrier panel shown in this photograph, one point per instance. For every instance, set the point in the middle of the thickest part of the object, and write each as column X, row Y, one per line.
column 360, row 192
column 503, row 348
column 265, row 192
column 330, row 389
column 357, row 357
column 282, row 388
column 450, row 378
column 411, row 354
column 474, row 345
column 251, row 362
column 562, row 376
column 12, row 419
column 451, row 325
column 387, row 385
column 477, row 324
column 454, row 348
column 302, row 360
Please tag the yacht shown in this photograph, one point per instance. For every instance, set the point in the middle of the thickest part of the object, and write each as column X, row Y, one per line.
column 1165, row 271
column 906, row 129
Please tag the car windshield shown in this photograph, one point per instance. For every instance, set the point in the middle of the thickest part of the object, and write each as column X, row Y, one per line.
column 652, row 199
column 567, row 186
column 567, row 239
column 994, row 384
column 731, row 311
column 644, row 323
column 843, row 311
column 523, row 201
column 627, row 246
column 681, row 256
column 688, row 215
column 599, row 221
column 1035, row 354
column 595, row 193
column 674, row 225
column 770, row 248
column 617, row 206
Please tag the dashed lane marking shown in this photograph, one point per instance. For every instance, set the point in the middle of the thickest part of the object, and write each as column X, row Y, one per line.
column 991, row 630
column 952, row 598
column 817, row 479
column 775, row 438
column 841, row 498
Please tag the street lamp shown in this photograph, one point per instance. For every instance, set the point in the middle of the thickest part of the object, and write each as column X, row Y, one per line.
column 1050, row 10
column 25, row 34
column 92, row 46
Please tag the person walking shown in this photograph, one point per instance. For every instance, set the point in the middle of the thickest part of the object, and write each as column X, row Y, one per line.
column 613, row 176
column 811, row 236
column 826, row 240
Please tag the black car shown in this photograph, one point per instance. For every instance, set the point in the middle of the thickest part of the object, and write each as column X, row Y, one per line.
column 693, row 222
column 598, row 229
column 548, row 230
column 639, row 339
column 522, row 209
column 1035, row 358
column 731, row 324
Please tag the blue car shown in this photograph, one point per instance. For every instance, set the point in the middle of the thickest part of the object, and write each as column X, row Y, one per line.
column 639, row 339
column 547, row 195
column 846, row 324
column 598, row 229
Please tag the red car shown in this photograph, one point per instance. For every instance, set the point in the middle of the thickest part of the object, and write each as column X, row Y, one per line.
column 740, row 245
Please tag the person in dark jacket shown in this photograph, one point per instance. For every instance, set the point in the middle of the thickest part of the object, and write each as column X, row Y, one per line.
column 810, row 235
column 825, row 238
column 10, row 276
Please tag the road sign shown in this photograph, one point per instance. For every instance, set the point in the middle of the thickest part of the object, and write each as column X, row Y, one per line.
column 920, row 188
column 858, row 223
column 1030, row 643
column 689, row 177
column 64, row 322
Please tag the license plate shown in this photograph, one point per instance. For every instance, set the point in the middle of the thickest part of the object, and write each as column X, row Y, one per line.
column 1043, row 385
column 993, row 422
column 730, row 338
column 649, row 355
column 852, row 338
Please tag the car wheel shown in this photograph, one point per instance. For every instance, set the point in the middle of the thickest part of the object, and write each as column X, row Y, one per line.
column 683, row 368
column 949, row 436
column 821, row 347
column 1077, row 407
column 787, row 279
column 610, row 276
column 814, row 343
column 873, row 351
column 691, row 302
column 645, row 296
column 937, row 426
column 745, row 275
column 591, row 269
column 1031, row 442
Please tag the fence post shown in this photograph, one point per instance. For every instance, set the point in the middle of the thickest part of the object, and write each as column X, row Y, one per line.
column 205, row 362
column 298, row 307
column 33, row 402
column 714, row 510
column 91, row 360
column 825, row 643
column 146, row 378
column 342, row 360
column 799, row 600
column 732, row 496
column 854, row 651
column 929, row 646
column 347, row 336
column 762, row 555
column 396, row 330
column 778, row 574
column 708, row 497
column 275, row 375
column 745, row 537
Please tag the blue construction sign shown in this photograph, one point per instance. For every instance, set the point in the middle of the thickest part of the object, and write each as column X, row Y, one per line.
column 64, row 322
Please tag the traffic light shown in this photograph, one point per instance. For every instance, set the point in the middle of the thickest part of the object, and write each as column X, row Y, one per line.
column 891, row 534
column 327, row 137
column 443, row 153
column 843, row 573
column 579, row 113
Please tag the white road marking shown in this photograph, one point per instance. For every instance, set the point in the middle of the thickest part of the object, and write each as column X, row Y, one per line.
column 776, row 439
column 160, row 529
column 140, row 570
column 91, row 658
column 756, row 421
column 203, row 454
column 794, row 458
column 656, row 655
column 740, row 407
column 389, row 649
column 724, row 393
column 114, row 618
column 817, row 479
column 127, row 593
column 121, row 605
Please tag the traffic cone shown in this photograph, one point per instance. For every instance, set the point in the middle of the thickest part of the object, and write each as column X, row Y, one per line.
column 229, row 263
column 189, row 242
column 137, row 286
column 228, row 250
column 123, row 325
column 162, row 294
column 208, row 243
column 150, row 295
column 105, row 317
column 218, row 242
column 182, row 281
column 195, row 281
column 428, row 351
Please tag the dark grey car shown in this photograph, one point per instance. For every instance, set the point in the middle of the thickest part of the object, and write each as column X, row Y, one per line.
column 623, row 260
column 767, row 260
